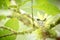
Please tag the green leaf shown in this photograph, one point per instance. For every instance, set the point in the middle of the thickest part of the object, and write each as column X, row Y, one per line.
column 52, row 33
column 3, row 32
column 4, row 4
column 9, row 38
column 27, row 6
column 2, row 17
column 18, row 2
column 21, row 2
column 13, row 24
column 46, row 6
column 7, row 2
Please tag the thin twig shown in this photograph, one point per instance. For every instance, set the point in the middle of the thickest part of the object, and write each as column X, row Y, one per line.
column 18, row 33
column 7, row 28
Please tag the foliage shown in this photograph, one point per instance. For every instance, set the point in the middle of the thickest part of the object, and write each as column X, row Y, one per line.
column 42, row 26
column 46, row 6
column 4, row 4
column 2, row 17
column 13, row 23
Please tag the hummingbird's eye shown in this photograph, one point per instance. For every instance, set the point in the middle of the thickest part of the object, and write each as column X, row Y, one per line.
column 41, row 20
column 38, row 19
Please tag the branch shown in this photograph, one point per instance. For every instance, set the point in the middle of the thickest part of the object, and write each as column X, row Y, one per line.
column 7, row 28
column 27, row 20
column 56, row 23
column 17, row 33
